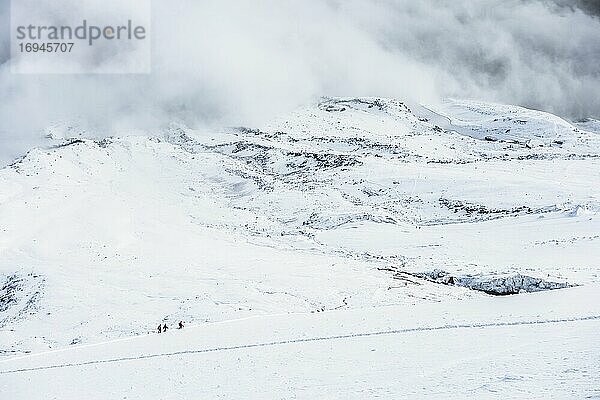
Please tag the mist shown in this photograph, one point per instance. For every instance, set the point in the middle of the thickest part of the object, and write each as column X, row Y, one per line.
column 221, row 63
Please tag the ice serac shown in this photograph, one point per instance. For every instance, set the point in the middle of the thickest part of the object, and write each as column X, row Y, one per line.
column 495, row 285
column 319, row 210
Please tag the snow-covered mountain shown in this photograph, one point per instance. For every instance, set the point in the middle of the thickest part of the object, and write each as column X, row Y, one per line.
column 351, row 208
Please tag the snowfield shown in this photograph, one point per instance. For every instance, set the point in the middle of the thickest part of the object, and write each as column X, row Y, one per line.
column 298, row 252
column 533, row 346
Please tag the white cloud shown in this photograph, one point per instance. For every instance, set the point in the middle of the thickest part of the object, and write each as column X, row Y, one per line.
column 238, row 62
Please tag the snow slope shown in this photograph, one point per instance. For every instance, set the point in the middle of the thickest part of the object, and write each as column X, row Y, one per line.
column 327, row 212
column 535, row 346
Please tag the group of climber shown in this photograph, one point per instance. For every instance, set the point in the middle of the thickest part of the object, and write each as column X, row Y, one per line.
column 163, row 328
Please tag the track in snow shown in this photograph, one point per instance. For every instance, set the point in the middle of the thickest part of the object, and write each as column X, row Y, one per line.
column 313, row 339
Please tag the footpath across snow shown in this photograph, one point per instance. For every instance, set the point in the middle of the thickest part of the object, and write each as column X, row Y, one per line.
column 292, row 251
column 539, row 345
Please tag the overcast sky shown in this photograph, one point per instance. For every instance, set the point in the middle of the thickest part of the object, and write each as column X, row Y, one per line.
column 242, row 62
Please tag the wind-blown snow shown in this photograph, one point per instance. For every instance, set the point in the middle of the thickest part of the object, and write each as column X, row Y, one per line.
column 224, row 61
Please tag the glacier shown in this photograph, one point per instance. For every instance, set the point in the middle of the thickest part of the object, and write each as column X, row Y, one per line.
column 296, row 249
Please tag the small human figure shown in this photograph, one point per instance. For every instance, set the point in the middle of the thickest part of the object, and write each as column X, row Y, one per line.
column 159, row 328
column 165, row 327
column 180, row 325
